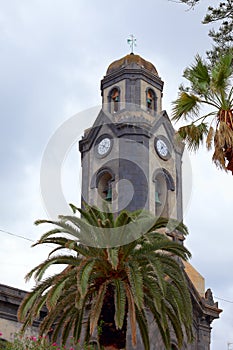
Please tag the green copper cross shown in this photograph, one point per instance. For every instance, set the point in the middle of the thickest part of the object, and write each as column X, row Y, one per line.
column 132, row 42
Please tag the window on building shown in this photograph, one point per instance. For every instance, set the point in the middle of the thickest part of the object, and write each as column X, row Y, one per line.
column 114, row 100
column 105, row 186
column 163, row 185
column 161, row 196
column 150, row 100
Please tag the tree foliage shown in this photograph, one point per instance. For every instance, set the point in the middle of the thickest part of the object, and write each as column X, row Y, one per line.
column 223, row 36
column 210, row 86
column 105, row 287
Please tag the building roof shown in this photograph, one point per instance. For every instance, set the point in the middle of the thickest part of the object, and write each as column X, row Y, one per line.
column 131, row 61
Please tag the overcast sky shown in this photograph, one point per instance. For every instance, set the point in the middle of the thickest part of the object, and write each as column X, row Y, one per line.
column 53, row 55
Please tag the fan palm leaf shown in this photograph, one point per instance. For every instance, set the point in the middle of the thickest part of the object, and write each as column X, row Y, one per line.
column 210, row 86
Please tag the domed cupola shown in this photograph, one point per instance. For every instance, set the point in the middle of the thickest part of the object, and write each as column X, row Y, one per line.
column 131, row 61
column 134, row 81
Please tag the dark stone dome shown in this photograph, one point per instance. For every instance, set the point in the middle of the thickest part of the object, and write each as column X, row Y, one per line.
column 131, row 61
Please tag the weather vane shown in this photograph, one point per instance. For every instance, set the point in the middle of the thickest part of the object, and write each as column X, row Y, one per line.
column 132, row 42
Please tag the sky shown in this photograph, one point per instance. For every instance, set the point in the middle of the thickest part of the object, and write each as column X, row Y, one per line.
column 53, row 55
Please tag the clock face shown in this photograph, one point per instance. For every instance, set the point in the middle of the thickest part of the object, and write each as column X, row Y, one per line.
column 162, row 149
column 104, row 146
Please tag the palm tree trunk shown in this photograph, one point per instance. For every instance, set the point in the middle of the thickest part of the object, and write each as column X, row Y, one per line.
column 110, row 337
column 229, row 157
column 227, row 117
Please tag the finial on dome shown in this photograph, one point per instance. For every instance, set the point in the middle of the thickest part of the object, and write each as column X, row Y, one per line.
column 132, row 42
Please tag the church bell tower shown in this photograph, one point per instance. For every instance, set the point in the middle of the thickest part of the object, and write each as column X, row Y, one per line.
column 132, row 160
column 130, row 156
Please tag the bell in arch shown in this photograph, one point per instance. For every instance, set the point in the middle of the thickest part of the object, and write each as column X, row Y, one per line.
column 109, row 194
column 157, row 200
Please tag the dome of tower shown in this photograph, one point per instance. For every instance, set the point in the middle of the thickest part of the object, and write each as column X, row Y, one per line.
column 133, row 62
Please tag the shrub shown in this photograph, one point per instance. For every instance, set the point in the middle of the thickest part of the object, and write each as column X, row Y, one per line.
column 39, row 343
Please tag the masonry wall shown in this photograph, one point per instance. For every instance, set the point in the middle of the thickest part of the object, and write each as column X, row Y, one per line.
column 10, row 299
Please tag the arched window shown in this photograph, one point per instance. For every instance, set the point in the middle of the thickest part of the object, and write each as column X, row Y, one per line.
column 161, row 200
column 163, row 184
column 174, row 347
column 114, row 99
column 150, row 100
column 104, row 184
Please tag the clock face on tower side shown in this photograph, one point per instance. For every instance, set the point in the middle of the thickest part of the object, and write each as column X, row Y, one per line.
column 103, row 146
column 162, row 148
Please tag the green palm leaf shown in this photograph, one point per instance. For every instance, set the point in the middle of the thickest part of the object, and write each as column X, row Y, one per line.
column 84, row 273
column 193, row 135
column 136, row 282
column 221, row 73
column 144, row 273
column 120, row 303
column 143, row 327
column 186, row 104
column 132, row 313
column 210, row 87
column 55, row 293
column 198, row 75
column 113, row 257
column 96, row 307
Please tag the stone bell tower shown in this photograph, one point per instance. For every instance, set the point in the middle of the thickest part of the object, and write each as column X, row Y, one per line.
column 131, row 159
column 130, row 156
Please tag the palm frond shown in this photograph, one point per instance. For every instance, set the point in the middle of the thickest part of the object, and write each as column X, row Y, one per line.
column 186, row 105
column 74, row 208
column 143, row 327
column 67, row 327
column 221, row 73
column 55, row 292
column 198, row 76
column 225, row 135
column 61, row 321
column 193, row 135
column 230, row 99
column 146, row 271
column 40, row 270
column 46, row 234
column 78, row 324
column 120, row 303
column 27, row 304
column 132, row 314
column 96, row 307
column 170, row 224
column 136, row 282
column 209, row 138
column 161, row 322
column 113, row 257
column 83, row 273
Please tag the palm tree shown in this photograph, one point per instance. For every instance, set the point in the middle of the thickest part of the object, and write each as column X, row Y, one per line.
column 209, row 86
column 102, row 288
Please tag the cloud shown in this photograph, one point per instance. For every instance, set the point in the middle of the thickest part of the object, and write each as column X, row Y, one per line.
column 53, row 56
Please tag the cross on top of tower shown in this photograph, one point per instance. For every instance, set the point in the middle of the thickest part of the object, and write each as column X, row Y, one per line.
column 132, row 42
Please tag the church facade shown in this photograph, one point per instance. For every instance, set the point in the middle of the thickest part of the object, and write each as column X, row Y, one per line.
column 132, row 159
